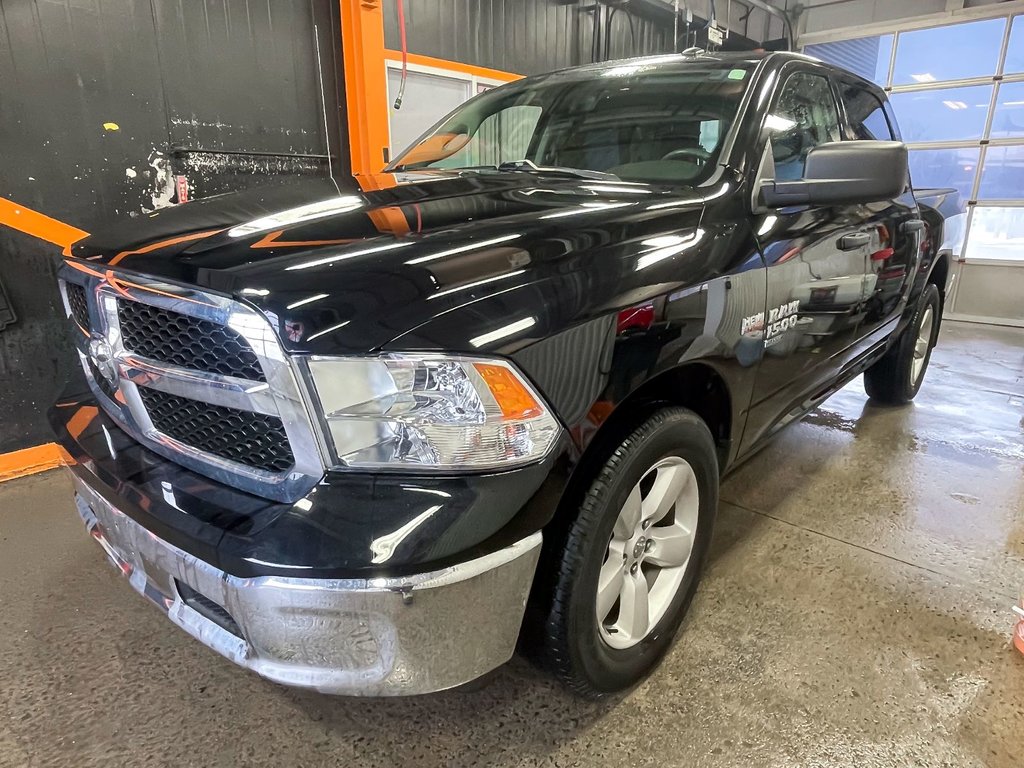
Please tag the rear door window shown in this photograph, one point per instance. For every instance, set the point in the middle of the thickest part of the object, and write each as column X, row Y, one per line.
column 865, row 112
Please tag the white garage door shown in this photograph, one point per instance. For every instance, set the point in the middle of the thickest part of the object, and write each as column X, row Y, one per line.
column 958, row 92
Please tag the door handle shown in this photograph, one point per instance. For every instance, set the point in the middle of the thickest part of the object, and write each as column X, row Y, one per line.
column 854, row 241
column 912, row 225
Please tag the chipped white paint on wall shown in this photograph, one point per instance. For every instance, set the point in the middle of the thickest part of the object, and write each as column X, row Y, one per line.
column 161, row 182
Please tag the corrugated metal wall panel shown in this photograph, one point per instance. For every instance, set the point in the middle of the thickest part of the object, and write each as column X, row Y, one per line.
column 240, row 74
column 237, row 74
column 532, row 36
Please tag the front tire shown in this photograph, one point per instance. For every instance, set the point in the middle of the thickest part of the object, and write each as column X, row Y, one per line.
column 633, row 556
column 897, row 377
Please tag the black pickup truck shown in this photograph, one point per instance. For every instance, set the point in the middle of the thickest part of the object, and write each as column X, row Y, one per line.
column 366, row 435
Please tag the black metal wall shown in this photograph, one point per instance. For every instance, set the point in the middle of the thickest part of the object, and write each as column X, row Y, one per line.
column 532, row 36
column 104, row 102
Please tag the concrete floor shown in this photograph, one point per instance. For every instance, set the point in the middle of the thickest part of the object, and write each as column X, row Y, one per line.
column 855, row 613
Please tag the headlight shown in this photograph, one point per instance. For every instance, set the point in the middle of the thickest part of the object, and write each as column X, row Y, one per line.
column 422, row 411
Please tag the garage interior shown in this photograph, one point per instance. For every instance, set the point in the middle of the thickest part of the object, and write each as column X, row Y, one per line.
column 857, row 607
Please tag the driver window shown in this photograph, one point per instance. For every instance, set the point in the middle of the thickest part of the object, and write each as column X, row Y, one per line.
column 804, row 117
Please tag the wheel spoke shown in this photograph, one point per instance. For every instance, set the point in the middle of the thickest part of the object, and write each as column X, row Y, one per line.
column 634, row 608
column 671, row 546
column 609, row 584
column 668, row 485
column 629, row 517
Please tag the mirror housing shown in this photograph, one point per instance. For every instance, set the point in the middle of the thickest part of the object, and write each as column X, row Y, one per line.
column 843, row 172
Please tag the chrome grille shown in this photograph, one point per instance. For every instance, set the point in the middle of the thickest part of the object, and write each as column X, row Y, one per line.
column 171, row 337
column 253, row 439
column 78, row 305
column 200, row 379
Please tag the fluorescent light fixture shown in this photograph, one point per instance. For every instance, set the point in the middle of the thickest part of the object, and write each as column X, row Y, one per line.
column 501, row 333
column 462, row 249
column 665, row 249
column 638, row 189
column 467, row 286
column 348, row 255
column 690, row 200
column 585, row 208
column 778, row 123
column 333, row 328
column 431, row 491
column 927, row 77
column 307, row 300
column 384, row 547
column 767, row 225
column 318, row 210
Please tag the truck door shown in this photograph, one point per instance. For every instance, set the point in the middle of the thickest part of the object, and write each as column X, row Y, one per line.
column 816, row 258
column 892, row 225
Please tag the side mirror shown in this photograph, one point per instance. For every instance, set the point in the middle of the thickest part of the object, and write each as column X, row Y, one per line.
column 844, row 172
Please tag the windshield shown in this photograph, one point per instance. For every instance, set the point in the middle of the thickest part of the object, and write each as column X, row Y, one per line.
column 635, row 122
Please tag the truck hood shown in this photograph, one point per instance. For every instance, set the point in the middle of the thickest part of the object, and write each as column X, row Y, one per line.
column 342, row 269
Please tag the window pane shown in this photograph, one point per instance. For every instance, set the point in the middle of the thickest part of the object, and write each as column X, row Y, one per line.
column 996, row 233
column 804, row 117
column 948, row 53
column 864, row 111
column 1015, row 53
column 866, row 56
column 945, row 114
column 941, row 168
column 1008, row 119
column 1002, row 178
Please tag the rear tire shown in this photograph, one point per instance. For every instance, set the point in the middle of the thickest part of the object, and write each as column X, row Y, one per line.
column 897, row 377
column 641, row 534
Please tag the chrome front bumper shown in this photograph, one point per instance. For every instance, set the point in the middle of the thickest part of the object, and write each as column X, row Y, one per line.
column 358, row 637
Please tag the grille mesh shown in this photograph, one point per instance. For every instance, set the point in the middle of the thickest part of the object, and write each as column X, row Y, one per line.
column 79, row 305
column 253, row 439
column 171, row 337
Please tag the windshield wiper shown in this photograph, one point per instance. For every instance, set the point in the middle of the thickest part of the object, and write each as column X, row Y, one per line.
column 528, row 166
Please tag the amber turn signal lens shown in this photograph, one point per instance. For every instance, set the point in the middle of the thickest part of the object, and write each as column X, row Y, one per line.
column 512, row 397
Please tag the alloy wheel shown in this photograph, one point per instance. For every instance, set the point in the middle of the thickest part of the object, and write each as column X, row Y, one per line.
column 648, row 552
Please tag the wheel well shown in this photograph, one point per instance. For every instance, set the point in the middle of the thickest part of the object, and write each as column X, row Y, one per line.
column 939, row 274
column 696, row 386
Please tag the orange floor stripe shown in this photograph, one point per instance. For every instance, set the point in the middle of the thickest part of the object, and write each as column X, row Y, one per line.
column 38, row 224
column 39, row 458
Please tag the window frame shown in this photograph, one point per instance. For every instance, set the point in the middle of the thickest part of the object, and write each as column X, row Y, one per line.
column 842, row 81
column 785, row 73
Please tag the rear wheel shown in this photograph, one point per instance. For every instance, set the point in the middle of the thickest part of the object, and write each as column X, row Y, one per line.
column 897, row 377
column 633, row 556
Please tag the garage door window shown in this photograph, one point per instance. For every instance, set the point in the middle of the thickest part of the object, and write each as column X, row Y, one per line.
column 945, row 114
column 958, row 95
column 954, row 52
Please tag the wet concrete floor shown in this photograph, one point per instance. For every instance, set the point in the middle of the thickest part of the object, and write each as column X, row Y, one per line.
column 855, row 613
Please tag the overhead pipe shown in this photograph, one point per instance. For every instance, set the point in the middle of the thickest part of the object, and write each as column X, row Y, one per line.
column 777, row 12
column 666, row 7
